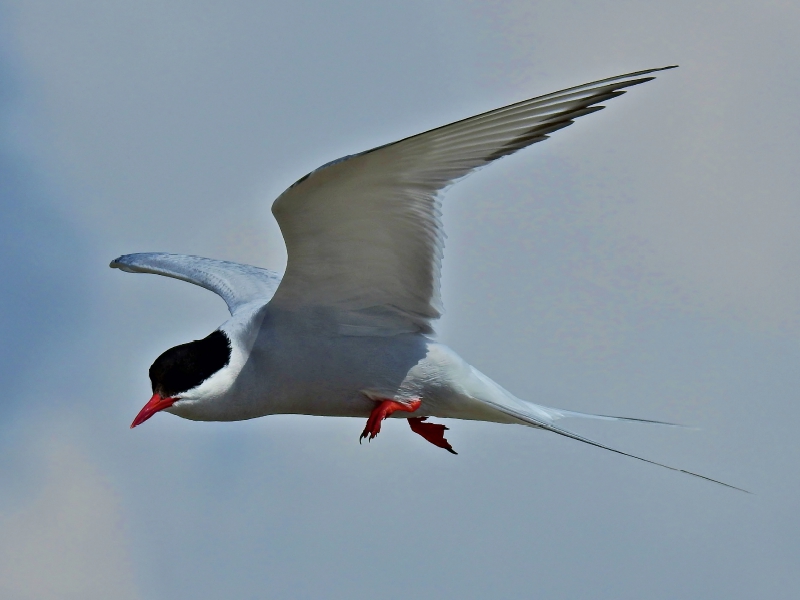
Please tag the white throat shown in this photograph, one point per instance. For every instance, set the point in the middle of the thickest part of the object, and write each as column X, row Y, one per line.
column 207, row 399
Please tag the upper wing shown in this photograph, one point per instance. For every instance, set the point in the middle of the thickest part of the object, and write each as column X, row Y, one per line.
column 363, row 233
column 237, row 284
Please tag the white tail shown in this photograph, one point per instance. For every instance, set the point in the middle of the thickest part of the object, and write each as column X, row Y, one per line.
column 544, row 417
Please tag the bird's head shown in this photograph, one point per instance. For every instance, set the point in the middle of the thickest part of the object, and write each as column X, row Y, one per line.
column 181, row 374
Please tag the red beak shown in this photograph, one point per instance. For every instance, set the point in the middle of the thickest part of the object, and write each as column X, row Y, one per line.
column 155, row 404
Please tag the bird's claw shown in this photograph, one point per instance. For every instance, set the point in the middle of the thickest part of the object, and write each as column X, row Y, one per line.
column 382, row 411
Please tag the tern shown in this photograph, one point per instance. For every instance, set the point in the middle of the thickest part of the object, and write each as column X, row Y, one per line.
column 348, row 330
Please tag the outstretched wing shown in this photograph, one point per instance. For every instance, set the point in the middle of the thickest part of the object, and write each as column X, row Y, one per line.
column 236, row 283
column 364, row 235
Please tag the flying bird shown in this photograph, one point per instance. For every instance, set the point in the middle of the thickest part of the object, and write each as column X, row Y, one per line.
column 347, row 331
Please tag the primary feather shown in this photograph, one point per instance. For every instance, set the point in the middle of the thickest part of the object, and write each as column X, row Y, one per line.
column 364, row 234
column 237, row 284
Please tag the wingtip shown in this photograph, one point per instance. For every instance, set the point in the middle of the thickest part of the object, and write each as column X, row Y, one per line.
column 121, row 264
column 117, row 263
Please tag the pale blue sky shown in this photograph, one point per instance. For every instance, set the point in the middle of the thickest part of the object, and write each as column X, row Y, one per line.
column 643, row 262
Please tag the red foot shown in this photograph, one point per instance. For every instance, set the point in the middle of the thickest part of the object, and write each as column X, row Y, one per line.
column 433, row 432
column 383, row 410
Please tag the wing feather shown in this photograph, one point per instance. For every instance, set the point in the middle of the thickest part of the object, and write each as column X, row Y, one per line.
column 364, row 234
column 236, row 283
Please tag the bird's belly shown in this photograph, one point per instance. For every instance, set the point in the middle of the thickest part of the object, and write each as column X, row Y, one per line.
column 326, row 375
column 344, row 378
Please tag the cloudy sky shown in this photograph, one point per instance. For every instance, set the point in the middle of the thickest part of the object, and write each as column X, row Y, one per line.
column 643, row 262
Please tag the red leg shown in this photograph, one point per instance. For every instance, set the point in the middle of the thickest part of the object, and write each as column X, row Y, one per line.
column 383, row 410
column 433, row 432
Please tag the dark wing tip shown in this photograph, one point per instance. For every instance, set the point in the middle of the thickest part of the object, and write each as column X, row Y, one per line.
column 656, row 70
column 637, row 81
column 121, row 263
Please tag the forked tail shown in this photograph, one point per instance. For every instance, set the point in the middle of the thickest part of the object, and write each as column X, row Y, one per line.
column 532, row 417
column 560, row 413
column 544, row 417
column 479, row 387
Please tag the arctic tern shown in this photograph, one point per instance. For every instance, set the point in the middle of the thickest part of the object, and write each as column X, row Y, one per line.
column 347, row 331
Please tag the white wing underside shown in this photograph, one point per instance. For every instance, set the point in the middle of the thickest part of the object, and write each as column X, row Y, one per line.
column 238, row 285
column 364, row 235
